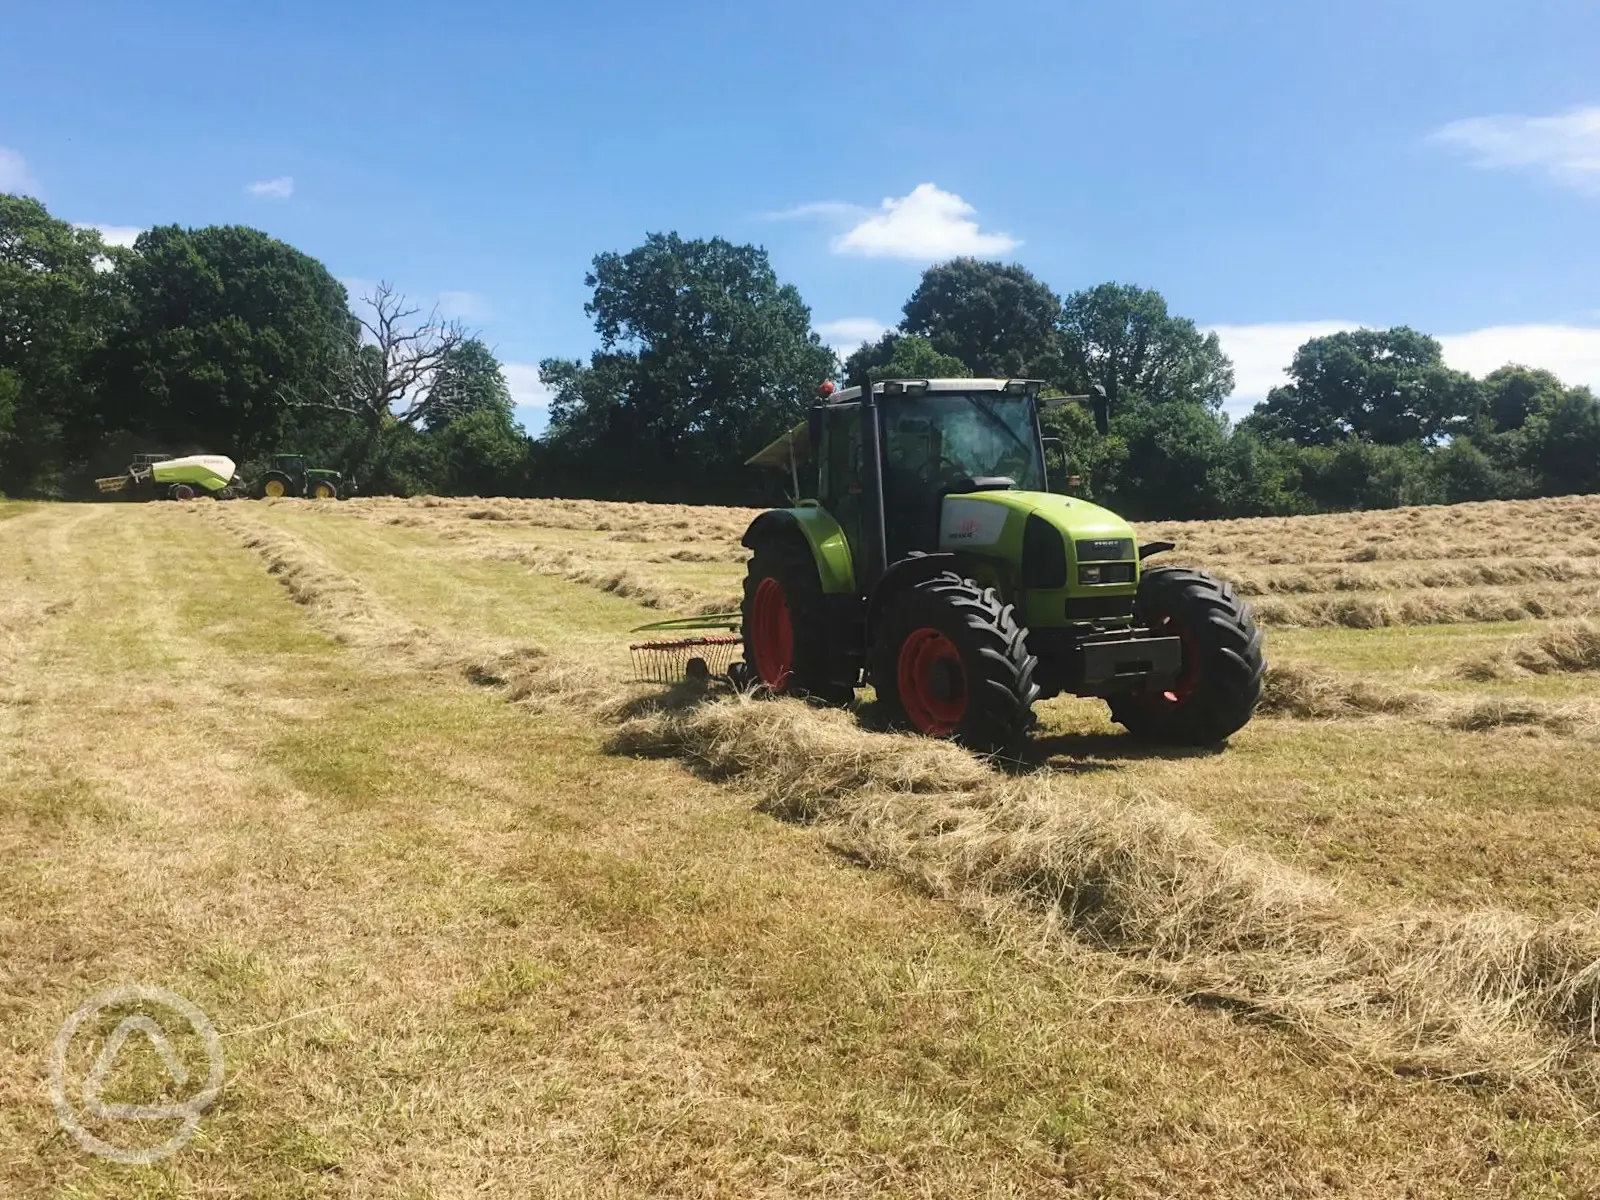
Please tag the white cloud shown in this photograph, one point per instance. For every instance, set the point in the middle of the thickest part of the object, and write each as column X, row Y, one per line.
column 821, row 208
column 927, row 224
column 1571, row 352
column 280, row 188
column 113, row 235
column 1261, row 353
column 14, row 176
column 1566, row 146
column 531, row 398
column 463, row 306
column 846, row 333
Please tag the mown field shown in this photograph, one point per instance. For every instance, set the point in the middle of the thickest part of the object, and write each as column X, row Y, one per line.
column 475, row 915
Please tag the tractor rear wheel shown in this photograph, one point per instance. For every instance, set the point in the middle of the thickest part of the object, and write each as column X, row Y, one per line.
column 950, row 660
column 785, row 622
column 277, row 485
column 1216, row 691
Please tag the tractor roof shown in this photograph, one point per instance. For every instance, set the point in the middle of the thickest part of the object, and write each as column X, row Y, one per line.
column 1019, row 386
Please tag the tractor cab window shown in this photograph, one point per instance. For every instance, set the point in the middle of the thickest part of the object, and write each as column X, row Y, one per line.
column 932, row 441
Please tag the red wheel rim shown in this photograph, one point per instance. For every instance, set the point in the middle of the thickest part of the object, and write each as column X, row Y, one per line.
column 933, row 683
column 771, row 635
column 1181, row 688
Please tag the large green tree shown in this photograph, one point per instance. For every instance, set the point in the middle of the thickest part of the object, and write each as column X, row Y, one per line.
column 704, row 356
column 468, row 379
column 1509, row 396
column 58, row 297
column 1387, row 386
column 226, row 327
column 1124, row 339
column 997, row 319
column 902, row 356
column 477, row 446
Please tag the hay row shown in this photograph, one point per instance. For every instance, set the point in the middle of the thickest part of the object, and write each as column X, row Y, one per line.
column 1378, row 611
column 1489, row 993
column 1321, row 578
column 1564, row 648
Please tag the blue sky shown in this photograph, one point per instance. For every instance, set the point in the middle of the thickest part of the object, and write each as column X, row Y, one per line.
column 1274, row 169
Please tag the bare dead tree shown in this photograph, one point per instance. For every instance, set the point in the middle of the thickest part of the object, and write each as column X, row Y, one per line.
column 390, row 369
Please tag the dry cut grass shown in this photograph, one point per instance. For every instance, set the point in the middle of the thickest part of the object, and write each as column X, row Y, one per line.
column 1480, row 993
column 1141, row 876
column 454, row 949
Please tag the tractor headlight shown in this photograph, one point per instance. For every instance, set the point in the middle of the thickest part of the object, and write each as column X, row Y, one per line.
column 1091, row 574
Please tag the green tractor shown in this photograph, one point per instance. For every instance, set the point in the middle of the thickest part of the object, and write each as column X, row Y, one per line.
column 289, row 476
column 935, row 566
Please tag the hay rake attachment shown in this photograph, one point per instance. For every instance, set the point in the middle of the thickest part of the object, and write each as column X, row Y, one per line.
column 701, row 658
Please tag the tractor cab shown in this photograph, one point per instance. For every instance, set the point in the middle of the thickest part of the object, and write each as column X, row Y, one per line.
column 938, row 439
column 935, row 564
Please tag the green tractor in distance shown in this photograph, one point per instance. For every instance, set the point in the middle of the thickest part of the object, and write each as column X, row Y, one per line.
column 935, row 566
column 289, row 476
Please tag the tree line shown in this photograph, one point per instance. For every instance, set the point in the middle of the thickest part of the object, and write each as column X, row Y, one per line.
column 227, row 340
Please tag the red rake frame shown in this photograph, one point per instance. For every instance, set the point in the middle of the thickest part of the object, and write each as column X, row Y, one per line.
column 699, row 658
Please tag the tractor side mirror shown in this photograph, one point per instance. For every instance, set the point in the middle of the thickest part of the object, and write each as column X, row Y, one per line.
column 1101, row 408
column 814, row 426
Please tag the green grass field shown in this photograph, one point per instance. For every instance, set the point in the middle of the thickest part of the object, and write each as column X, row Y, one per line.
column 350, row 778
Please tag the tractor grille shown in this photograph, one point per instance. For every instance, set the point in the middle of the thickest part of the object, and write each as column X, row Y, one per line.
column 1104, row 549
column 1093, row 608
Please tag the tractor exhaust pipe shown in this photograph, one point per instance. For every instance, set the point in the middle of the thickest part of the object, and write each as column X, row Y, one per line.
column 874, row 536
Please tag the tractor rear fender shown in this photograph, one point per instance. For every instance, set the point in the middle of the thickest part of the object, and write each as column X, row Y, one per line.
column 820, row 533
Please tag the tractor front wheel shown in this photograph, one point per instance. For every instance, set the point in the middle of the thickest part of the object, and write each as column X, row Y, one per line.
column 950, row 660
column 323, row 490
column 1219, row 683
column 785, row 622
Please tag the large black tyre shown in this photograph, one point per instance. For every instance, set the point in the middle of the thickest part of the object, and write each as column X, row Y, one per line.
column 949, row 659
column 785, row 623
column 275, row 484
column 1220, row 683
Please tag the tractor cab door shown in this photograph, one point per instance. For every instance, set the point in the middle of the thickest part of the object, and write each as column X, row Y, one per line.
column 839, row 469
column 913, row 484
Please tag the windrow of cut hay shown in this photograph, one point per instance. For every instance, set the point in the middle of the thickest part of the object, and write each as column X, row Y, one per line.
column 351, row 614
column 1307, row 692
column 616, row 571
column 1567, row 526
column 1490, row 993
column 1317, row 578
column 1379, row 610
column 1452, row 588
column 1568, row 647
column 643, row 522
column 1478, row 993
